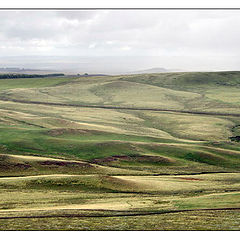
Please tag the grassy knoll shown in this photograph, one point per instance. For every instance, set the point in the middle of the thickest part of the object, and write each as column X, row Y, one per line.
column 106, row 165
column 131, row 194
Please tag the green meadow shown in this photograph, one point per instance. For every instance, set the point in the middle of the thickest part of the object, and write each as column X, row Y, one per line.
column 128, row 152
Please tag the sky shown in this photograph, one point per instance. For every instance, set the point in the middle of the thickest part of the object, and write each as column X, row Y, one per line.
column 121, row 40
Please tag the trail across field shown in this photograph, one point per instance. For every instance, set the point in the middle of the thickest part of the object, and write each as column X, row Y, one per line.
column 121, row 108
column 129, row 214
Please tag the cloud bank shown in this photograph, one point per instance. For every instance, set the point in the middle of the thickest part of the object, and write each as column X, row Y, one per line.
column 197, row 34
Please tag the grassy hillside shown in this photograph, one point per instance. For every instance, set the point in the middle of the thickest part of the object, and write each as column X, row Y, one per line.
column 216, row 92
column 120, row 145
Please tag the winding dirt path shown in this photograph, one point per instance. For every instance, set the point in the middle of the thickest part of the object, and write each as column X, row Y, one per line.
column 122, row 108
column 129, row 214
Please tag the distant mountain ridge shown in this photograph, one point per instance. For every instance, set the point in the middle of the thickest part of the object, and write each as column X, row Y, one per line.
column 156, row 70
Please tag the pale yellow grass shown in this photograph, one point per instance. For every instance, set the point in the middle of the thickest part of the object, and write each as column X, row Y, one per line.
column 114, row 121
column 184, row 183
column 142, row 95
column 193, row 126
column 225, row 94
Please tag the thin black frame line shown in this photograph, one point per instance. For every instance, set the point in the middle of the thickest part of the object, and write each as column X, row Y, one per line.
column 119, row 8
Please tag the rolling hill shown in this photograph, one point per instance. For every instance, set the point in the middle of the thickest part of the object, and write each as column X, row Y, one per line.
column 117, row 146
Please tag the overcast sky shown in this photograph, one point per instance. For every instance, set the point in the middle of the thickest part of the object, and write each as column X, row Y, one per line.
column 186, row 39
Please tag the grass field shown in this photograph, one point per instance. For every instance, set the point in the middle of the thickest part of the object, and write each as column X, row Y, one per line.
column 129, row 152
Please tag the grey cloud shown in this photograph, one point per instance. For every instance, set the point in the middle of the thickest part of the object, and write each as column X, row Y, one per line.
column 80, row 15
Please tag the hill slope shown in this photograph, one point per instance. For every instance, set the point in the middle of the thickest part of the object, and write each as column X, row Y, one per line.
column 129, row 144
